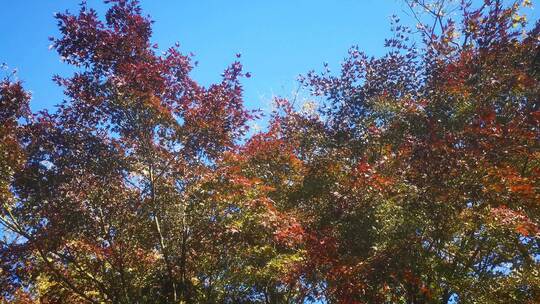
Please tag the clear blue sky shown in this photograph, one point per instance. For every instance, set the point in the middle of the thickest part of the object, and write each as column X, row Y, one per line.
column 278, row 39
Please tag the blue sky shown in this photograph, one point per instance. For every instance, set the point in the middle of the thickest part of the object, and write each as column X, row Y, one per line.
column 278, row 39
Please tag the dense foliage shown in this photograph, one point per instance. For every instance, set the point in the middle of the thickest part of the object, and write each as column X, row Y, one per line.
column 415, row 179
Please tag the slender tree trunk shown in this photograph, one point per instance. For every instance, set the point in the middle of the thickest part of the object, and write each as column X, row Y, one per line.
column 163, row 246
column 184, row 295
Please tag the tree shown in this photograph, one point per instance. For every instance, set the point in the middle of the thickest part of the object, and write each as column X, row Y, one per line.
column 414, row 180
column 420, row 169
column 13, row 106
column 121, row 194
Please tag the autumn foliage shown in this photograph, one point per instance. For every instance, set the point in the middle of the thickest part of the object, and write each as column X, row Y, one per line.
column 412, row 177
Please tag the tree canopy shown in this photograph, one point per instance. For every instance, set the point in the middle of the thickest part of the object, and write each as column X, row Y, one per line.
column 412, row 177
